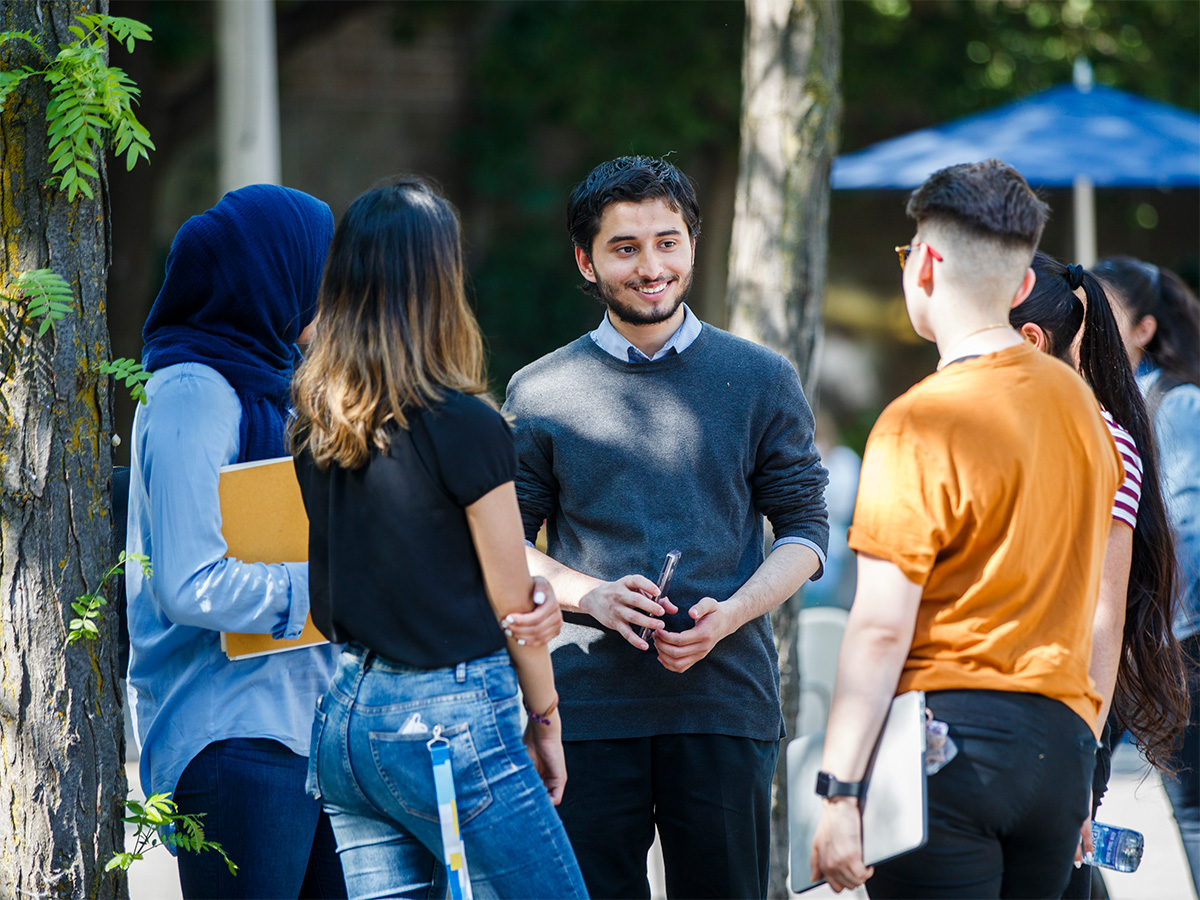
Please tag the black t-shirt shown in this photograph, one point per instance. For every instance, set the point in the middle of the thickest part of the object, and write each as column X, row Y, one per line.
column 391, row 562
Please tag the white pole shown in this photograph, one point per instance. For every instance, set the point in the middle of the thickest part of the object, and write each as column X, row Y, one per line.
column 247, row 94
column 1084, row 189
column 1085, row 221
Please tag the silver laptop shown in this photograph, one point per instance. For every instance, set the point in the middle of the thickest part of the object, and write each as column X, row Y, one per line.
column 893, row 808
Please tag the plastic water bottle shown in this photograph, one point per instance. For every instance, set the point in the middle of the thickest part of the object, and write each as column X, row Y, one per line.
column 1115, row 848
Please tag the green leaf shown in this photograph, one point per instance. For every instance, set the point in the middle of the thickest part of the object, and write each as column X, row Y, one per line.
column 9, row 82
column 122, row 861
column 162, row 803
column 26, row 36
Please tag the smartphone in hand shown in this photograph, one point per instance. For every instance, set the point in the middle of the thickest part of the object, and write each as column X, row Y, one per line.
column 664, row 585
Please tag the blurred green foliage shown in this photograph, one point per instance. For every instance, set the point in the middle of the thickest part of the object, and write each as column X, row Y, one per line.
column 909, row 65
column 560, row 86
column 557, row 88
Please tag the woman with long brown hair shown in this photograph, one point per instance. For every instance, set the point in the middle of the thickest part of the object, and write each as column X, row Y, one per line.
column 416, row 556
column 1137, row 663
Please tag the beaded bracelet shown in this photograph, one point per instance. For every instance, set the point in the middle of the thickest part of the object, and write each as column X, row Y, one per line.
column 544, row 718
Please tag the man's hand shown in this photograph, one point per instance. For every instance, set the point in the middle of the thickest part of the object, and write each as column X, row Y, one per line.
column 679, row 651
column 625, row 604
column 542, row 624
column 837, row 847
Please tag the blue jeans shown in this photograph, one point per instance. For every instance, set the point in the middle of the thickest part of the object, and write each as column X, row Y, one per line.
column 371, row 768
column 1183, row 788
column 251, row 794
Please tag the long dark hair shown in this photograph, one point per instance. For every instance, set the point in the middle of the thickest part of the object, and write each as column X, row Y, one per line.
column 1144, row 289
column 1150, row 698
column 393, row 324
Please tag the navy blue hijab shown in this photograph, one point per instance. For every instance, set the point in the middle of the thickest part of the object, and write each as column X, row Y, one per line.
column 241, row 285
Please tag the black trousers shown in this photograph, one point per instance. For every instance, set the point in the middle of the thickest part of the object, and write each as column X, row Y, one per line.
column 1004, row 815
column 709, row 795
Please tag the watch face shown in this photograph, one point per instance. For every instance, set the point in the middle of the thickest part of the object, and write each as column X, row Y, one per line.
column 823, row 784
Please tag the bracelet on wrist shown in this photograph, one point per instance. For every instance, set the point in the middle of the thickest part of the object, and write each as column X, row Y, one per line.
column 543, row 718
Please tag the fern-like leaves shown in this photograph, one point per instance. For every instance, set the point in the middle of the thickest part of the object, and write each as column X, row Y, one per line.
column 91, row 102
column 157, row 812
column 48, row 296
column 131, row 372
column 88, row 607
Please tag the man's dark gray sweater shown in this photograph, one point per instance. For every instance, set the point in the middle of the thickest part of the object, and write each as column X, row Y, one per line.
column 627, row 461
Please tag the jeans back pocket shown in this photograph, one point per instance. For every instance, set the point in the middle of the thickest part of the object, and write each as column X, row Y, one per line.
column 404, row 765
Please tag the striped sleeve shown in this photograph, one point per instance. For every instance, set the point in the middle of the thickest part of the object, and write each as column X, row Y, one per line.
column 1129, row 494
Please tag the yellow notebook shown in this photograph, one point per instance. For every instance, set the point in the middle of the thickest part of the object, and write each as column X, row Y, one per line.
column 263, row 520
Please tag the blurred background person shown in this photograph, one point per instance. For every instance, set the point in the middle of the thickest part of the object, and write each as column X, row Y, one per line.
column 1160, row 324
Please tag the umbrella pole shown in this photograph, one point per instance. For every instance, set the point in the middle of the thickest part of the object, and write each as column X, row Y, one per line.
column 1085, row 221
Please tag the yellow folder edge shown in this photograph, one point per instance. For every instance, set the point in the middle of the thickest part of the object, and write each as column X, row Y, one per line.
column 263, row 520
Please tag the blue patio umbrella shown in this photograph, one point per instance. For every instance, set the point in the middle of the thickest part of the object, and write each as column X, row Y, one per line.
column 1068, row 135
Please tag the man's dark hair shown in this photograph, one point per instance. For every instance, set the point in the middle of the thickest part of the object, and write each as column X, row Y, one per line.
column 989, row 199
column 629, row 179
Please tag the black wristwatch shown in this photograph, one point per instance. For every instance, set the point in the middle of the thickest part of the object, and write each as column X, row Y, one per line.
column 828, row 786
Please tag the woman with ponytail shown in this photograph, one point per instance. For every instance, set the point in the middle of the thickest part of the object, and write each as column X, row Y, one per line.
column 1137, row 663
column 1160, row 324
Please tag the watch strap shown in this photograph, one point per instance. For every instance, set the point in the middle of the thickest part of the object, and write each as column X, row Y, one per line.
column 830, row 787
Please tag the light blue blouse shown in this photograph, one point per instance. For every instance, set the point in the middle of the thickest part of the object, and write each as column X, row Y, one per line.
column 184, row 692
column 1177, row 432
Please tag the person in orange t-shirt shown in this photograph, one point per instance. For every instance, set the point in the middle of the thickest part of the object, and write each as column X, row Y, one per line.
column 981, row 523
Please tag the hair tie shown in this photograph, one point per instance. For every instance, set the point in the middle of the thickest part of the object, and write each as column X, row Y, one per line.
column 1074, row 277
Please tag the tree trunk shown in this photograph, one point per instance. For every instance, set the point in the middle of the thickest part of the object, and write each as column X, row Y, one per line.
column 791, row 109
column 62, row 776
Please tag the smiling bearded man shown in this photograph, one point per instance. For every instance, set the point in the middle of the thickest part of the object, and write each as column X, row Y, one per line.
column 657, row 432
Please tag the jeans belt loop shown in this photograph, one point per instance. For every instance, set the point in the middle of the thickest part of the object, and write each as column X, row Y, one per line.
column 460, row 672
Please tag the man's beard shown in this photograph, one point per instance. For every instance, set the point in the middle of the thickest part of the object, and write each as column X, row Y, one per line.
column 632, row 315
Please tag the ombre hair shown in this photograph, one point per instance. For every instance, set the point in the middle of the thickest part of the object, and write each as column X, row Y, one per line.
column 394, row 329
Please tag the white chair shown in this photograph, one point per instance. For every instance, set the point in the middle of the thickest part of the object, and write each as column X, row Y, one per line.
column 818, row 642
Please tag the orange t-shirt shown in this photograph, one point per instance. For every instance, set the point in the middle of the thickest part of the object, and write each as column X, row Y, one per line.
column 991, row 484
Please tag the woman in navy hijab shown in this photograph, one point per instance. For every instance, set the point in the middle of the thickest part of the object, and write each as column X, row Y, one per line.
column 228, row 739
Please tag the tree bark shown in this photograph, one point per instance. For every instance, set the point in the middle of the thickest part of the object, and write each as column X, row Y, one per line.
column 62, row 775
column 791, row 111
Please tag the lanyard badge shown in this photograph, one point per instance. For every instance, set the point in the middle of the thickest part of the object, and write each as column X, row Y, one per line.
column 454, row 855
